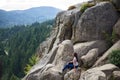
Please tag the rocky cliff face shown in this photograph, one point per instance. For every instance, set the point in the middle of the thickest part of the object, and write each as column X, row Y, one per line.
column 83, row 33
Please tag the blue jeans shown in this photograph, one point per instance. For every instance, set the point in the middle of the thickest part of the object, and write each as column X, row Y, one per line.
column 69, row 66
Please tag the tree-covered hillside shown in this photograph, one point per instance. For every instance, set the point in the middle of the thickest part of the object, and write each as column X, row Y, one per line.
column 27, row 17
column 18, row 44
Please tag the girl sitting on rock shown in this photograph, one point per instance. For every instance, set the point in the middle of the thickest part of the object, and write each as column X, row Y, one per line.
column 72, row 64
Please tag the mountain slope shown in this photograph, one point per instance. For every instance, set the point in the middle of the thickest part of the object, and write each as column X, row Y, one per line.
column 20, row 42
column 29, row 16
column 83, row 31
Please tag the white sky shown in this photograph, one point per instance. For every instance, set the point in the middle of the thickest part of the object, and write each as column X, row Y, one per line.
column 25, row 4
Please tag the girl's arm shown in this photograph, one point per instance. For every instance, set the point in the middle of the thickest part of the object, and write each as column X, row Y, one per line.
column 74, row 63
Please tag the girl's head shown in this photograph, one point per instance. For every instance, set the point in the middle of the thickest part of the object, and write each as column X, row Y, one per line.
column 75, row 55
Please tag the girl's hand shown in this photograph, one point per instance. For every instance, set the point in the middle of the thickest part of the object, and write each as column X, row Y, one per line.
column 75, row 70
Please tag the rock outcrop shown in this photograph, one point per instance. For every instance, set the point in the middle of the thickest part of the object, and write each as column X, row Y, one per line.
column 65, row 21
column 64, row 54
column 93, row 75
column 35, row 72
column 61, row 55
column 83, row 48
column 50, row 75
column 99, row 73
column 90, row 58
column 73, row 75
column 102, row 60
column 83, row 33
column 95, row 22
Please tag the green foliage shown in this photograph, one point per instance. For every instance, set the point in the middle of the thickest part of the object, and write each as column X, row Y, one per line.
column 5, row 76
column 114, row 57
column 13, row 77
column 32, row 61
column 21, row 43
column 112, row 77
column 85, row 6
column 27, row 68
column 2, row 49
column 71, row 7
column 114, row 37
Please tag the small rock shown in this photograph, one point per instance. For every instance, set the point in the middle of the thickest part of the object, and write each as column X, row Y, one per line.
column 116, row 75
column 73, row 75
column 90, row 58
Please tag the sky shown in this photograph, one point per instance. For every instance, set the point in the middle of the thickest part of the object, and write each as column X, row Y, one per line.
column 26, row 4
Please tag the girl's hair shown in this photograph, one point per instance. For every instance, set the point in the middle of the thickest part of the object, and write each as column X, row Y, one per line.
column 75, row 55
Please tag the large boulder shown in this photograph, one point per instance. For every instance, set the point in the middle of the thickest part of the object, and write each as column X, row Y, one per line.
column 99, row 73
column 107, row 68
column 37, row 69
column 64, row 54
column 95, row 22
column 64, row 22
column 50, row 75
column 51, row 64
column 90, row 58
column 73, row 75
column 102, row 60
column 93, row 75
column 116, row 3
column 83, row 48
column 116, row 28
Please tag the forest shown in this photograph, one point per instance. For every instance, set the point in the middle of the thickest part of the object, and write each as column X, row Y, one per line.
column 18, row 45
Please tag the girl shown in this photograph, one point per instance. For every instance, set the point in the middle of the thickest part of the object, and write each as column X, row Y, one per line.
column 72, row 64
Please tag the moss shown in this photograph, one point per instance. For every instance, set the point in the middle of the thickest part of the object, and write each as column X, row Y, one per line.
column 85, row 6
column 112, row 78
column 71, row 7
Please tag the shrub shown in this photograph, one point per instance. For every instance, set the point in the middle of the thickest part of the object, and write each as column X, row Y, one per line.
column 114, row 57
column 32, row 61
column 85, row 6
column 114, row 37
column 13, row 77
column 71, row 7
